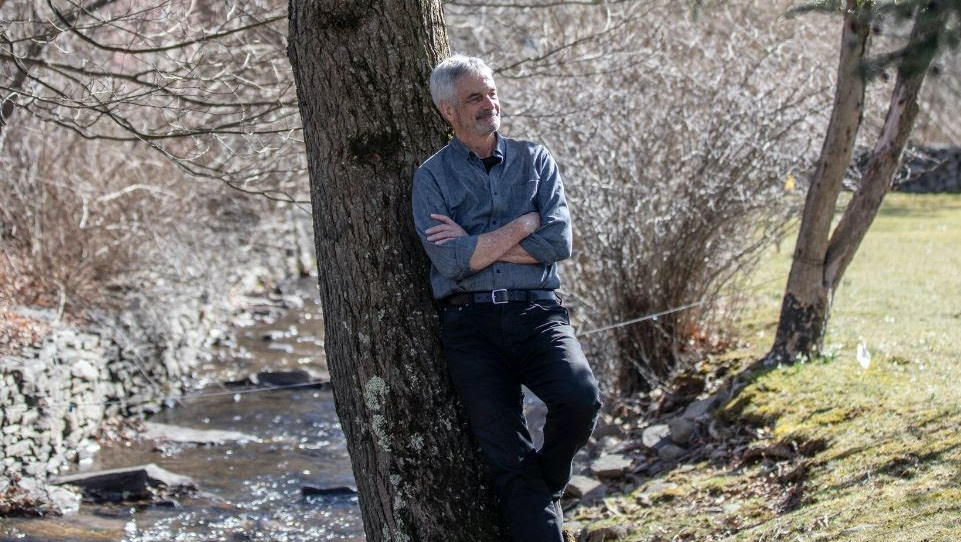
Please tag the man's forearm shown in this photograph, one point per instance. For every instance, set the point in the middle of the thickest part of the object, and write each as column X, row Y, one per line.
column 517, row 254
column 492, row 246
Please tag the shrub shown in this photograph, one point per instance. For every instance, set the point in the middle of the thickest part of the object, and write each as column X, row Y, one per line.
column 675, row 137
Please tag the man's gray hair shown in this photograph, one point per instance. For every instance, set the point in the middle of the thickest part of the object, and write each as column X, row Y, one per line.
column 445, row 75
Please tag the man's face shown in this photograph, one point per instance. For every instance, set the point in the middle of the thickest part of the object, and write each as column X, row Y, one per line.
column 475, row 109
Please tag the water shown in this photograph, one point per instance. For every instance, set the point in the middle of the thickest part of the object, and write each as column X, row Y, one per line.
column 247, row 491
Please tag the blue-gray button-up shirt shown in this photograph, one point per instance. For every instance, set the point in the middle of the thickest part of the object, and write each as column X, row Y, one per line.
column 454, row 182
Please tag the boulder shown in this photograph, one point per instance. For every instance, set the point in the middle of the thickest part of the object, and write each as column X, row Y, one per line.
column 144, row 482
column 654, row 434
column 670, row 452
column 610, row 466
column 606, row 444
column 682, row 429
column 585, row 488
column 699, row 409
column 608, row 426
column 30, row 496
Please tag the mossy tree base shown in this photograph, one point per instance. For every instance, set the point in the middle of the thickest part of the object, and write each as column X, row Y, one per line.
column 800, row 331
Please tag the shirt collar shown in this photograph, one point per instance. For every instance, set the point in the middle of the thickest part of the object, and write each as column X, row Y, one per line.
column 499, row 148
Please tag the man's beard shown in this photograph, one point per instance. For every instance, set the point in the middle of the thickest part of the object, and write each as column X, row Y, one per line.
column 488, row 124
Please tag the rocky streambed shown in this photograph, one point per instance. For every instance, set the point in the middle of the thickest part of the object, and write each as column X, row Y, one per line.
column 257, row 452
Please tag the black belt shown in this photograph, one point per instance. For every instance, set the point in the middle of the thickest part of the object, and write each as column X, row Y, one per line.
column 500, row 296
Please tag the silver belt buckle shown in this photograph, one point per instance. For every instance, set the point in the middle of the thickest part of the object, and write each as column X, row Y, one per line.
column 494, row 297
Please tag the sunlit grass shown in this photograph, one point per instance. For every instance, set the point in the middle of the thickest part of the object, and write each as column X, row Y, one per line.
column 891, row 417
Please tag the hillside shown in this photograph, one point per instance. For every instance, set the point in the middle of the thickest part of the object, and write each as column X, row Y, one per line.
column 862, row 445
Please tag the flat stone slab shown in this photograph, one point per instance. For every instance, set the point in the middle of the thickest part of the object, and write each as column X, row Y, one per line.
column 327, row 491
column 585, row 488
column 274, row 379
column 186, row 435
column 144, row 482
column 670, row 452
column 654, row 434
column 610, row 466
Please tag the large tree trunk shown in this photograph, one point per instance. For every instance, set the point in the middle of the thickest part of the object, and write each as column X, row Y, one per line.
column 361, row 70
column 820, row 261
column 807, row 299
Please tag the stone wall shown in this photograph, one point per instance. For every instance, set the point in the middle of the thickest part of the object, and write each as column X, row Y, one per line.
column 56, row 394
column 53, row 398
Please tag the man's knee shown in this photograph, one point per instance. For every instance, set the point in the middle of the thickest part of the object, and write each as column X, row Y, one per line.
column 590, row 401
column 582, row 402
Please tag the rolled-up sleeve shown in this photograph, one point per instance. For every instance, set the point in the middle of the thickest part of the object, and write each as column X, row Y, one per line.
column 552, row 242
column 451, row 259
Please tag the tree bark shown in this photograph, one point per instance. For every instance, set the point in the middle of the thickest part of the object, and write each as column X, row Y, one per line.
column 886, row 155
column 807, row 298
column 361, row 70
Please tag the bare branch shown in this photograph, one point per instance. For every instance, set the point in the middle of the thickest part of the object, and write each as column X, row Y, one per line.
column 179, row 45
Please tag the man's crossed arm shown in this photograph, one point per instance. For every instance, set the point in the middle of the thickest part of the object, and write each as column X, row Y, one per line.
column 500, row 245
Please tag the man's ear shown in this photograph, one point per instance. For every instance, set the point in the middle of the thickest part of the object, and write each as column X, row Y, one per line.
column 446, row 111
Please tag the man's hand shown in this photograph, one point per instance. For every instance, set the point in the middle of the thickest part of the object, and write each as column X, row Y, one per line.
column 445, row 231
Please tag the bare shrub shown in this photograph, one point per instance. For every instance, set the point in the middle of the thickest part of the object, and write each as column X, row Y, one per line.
column 111, row 112
column 205, row 84
column 676, row 137
column 86, row 223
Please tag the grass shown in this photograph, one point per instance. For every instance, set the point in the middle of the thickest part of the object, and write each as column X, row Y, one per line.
column 888, row 421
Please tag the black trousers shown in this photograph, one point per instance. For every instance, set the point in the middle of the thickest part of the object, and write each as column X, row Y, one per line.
column 491, row 351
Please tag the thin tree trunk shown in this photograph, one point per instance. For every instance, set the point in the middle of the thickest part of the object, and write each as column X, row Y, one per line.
column 806, row 303
column 886, row 155
column 361, row 70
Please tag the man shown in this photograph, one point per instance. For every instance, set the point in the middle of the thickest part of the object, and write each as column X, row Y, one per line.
column 491, row 214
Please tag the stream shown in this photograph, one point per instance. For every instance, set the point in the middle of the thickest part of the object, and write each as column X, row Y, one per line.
column 248, row 491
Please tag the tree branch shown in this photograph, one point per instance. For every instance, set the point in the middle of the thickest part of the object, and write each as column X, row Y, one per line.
column 178, row 45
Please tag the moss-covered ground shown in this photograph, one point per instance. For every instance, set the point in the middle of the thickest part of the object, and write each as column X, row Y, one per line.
column 863, row 444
